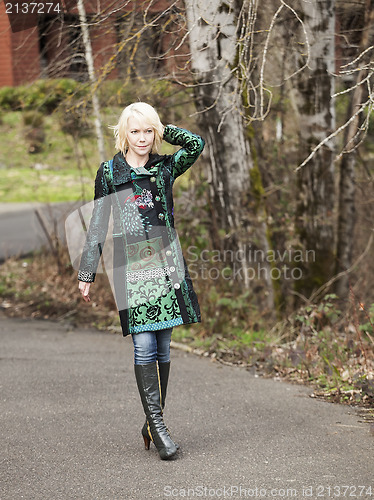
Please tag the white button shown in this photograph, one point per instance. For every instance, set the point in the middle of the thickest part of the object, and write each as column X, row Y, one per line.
column 168, row 253
column 172, row 269
column 177, row 286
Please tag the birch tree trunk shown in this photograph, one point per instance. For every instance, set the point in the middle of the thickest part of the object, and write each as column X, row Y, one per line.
column 91, row 74
column 347, row 188
column 315, row 180
column 212, row 26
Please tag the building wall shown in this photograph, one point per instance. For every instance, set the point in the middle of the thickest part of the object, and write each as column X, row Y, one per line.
column 25, row 56
column 103, row 41
column 6, row 68
column 21, row 59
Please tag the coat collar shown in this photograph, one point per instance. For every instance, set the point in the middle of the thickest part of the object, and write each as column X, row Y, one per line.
column 122, row 170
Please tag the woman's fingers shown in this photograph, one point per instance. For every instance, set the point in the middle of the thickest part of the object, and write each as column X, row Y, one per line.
column 84, row 289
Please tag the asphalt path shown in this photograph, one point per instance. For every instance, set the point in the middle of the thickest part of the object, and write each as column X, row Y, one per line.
column 21, row 230
column 71, row 418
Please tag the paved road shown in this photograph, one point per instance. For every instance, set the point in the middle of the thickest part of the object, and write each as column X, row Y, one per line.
column 71, row 417
column 21, row 231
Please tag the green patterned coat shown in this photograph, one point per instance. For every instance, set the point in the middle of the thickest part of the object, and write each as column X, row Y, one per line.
column 152, row 286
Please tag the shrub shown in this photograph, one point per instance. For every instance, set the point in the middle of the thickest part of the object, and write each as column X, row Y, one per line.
column 10, row 98
column 42, row 95
column 73, row 121
column 34, row 131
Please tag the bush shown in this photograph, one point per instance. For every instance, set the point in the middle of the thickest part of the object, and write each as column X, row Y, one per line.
column 43, row 95
column 74, row 121
column 162, row 94
column 32, row 119
column 33, row 131
column 46, row 96
column 10, row 99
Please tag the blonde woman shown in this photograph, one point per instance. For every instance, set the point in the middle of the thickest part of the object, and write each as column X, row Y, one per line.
column 153, row 289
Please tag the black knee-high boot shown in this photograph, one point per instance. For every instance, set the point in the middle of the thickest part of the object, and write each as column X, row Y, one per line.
column 163, row 370
column 149, row 385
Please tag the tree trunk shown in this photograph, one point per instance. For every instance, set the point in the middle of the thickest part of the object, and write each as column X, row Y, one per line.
column 315, row 180
column 91, row 74
column 347, row 188
column 213, row 43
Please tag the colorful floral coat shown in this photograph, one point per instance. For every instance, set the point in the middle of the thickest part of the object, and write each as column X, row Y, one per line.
column 152, row 285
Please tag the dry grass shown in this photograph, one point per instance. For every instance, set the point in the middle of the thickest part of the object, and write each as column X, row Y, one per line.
column 46, row 287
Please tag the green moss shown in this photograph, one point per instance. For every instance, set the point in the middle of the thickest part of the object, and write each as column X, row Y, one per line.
column 258, row 193
column 257, row 189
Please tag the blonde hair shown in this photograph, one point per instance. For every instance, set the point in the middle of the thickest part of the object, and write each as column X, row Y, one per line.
column 144, row 112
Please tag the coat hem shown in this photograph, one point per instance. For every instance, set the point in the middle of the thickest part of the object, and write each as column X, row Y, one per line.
column 161, row 325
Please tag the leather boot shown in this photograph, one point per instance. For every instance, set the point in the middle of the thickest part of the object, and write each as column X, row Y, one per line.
column 163, row 370
column 149, row 385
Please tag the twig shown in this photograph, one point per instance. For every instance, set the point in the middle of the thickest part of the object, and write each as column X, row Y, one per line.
column 331, row 136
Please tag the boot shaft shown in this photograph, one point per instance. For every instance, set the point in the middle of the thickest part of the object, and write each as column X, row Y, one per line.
column 148, row 381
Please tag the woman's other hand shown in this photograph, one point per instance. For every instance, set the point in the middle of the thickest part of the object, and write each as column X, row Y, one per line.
column 84, row 288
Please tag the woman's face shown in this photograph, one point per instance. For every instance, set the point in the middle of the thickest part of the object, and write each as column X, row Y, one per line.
column 140, row 137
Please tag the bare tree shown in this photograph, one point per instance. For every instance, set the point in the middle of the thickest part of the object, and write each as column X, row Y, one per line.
column 92, row 77
column 316, row 118
column 352, row 137
column 213, row 38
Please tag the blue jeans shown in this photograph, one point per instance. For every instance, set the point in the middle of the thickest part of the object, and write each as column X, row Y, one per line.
column 152, row 346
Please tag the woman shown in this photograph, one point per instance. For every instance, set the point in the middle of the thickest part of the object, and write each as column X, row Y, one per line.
column 152, row 286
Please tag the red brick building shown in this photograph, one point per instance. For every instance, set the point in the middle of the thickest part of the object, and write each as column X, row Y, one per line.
column 127, row 36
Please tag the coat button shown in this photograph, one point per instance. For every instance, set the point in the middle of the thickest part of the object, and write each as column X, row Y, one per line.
column 157, row 198
column 177, row 286
column 168, row 253
column 172, row 269
column 161, row 216
column 153, row 179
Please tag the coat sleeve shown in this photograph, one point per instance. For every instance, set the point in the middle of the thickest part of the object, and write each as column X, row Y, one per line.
column 191, row 148
column 97, row 231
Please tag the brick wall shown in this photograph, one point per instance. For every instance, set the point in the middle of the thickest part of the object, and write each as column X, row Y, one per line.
column 26, row 57
column 103, row 40
column 6, row 69
column 21, row 60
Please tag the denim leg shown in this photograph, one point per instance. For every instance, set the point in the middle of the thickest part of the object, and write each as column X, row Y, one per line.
column 145, row 347
column 152, row 346
column 163, row 338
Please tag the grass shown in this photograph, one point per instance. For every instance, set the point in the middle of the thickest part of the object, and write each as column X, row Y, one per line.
column 43, row 186
column 51, row 175
column 45, row 286
column 57, row 173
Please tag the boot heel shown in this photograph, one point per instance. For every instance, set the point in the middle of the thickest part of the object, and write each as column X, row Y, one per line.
column 147, row 442
column 146, row 436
